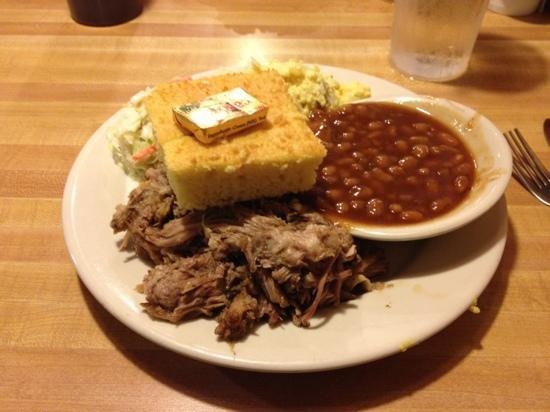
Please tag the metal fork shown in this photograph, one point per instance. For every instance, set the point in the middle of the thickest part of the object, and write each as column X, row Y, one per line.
column 528, row 169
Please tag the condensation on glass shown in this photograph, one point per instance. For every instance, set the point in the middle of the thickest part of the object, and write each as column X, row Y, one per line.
column 433, row 39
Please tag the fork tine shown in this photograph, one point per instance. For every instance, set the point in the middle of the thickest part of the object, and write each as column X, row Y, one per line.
column 530, row 187
column 519, row 176
column 532, row 158
column 511, row 143
column 520, row 164
column 520, row 159
column 524, row 162
column 527, row 168
column 528, row 173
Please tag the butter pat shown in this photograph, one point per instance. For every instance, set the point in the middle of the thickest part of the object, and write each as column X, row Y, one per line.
column 221, row 115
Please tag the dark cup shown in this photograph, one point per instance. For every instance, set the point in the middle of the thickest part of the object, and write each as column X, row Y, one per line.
column 104, row 12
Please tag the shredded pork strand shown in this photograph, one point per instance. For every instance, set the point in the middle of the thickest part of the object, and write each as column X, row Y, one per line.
column 261, row 261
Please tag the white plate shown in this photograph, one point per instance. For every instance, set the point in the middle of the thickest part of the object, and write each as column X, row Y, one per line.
column 438, row 279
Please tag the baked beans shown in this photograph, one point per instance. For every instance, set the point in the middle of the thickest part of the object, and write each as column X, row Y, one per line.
column 389, row 164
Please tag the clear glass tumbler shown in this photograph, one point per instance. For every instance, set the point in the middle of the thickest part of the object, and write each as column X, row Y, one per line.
column 433, row 39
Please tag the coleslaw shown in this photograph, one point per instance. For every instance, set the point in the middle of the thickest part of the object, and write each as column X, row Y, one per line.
column 131, row 138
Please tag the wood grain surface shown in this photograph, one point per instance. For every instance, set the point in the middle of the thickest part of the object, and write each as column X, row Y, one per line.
column 60, row 350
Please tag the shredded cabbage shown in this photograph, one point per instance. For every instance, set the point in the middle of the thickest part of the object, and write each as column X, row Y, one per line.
column 131, row 138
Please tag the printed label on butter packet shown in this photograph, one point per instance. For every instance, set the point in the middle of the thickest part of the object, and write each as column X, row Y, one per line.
column 221, row 115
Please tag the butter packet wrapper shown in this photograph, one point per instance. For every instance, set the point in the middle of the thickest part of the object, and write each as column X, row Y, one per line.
column 221, row 115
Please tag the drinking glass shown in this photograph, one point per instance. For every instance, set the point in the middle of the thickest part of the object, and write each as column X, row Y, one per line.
column 433, row 39
column 104, row 12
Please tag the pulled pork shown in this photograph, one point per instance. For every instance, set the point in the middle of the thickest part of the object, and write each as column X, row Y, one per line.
column 266, row 260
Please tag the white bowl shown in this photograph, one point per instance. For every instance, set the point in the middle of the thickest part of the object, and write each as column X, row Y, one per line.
column 493, row 171
column 514, row 7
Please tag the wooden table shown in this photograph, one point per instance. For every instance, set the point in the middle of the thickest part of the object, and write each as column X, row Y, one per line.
column 59, row 349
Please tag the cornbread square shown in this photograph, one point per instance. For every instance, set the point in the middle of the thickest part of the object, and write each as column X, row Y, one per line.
column 275, row 157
